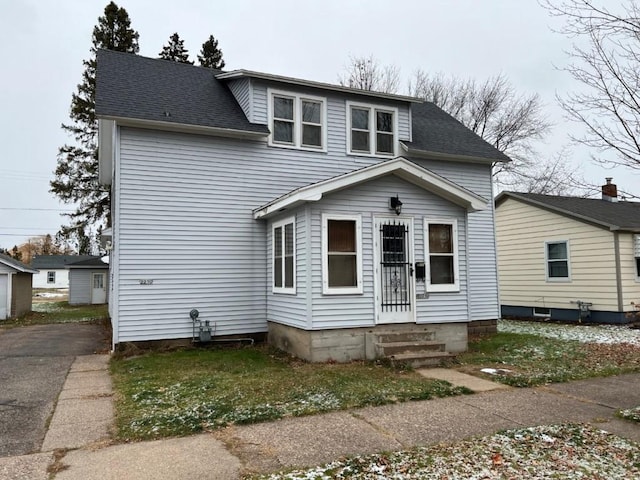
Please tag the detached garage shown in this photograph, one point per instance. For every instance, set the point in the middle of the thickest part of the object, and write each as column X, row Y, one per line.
column 15, row 287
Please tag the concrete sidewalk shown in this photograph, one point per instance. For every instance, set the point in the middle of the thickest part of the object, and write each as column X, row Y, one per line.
column 81, row 421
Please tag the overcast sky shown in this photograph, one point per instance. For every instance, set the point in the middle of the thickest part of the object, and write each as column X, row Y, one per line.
column 46, row 42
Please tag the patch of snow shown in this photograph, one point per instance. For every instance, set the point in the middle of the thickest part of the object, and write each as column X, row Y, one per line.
column 610, row 334
column 496, row 371
column 49, row 295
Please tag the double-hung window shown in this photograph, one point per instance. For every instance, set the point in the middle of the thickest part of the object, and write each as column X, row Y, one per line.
column 297, row 121
column 557, row 259
column 51, row 277
column 441, row 238
column 341, row 254
column 371, row 130
column 284, row 269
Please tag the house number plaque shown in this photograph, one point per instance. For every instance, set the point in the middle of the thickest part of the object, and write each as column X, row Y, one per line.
column 145, row 282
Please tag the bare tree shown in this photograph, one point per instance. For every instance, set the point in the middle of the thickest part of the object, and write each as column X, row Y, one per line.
column 511, row 122
column 366, row 73
column 607, row 64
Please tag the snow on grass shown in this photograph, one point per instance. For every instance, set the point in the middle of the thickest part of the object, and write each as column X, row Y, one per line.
column 609, row 334
column 632, row 414
column 558, row 451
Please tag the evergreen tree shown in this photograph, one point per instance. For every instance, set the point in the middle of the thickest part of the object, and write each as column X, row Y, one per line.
column 175, row 50
column 76, row 173
column 210, row 55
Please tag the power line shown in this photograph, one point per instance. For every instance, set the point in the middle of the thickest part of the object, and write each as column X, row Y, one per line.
column 38, row 209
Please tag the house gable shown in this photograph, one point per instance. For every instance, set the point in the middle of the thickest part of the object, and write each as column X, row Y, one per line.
column 401, row 167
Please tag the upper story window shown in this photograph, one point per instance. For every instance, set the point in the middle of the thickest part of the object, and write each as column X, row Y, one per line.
column 372, row 130
column 557, row 259
column 297, row 121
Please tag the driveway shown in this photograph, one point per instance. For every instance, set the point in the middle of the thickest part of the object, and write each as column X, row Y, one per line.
column 34, row 362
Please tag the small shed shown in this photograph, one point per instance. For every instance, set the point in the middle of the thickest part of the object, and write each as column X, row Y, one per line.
column 88, row 282
column 15, row 287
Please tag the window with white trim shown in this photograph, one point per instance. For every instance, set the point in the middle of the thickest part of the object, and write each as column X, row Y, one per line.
column 636, row 249
column 51, row 277
column 341, row 254
column 297, row 121
column 557, row 260
column 284, row 256
column 371, row 130
column 441, row 238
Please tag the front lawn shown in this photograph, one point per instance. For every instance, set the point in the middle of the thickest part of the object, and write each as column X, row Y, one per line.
column 184, row 392
column 555, row 451
column 541, row 356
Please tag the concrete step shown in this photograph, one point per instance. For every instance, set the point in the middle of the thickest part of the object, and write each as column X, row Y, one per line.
column 393, row 348
column 422, row 359
column 416, row 336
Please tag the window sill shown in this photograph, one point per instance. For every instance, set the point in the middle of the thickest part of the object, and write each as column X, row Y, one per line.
column 295, row 147
column 371, row 155
column 443, row 289
column 283, row 291
column 342, row 291
column 558, row 280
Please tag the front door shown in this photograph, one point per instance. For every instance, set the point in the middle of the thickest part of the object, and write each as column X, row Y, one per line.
column 395, row 293
column 99, row 290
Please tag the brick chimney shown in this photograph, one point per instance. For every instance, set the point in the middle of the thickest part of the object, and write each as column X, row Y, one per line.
column 610, row 191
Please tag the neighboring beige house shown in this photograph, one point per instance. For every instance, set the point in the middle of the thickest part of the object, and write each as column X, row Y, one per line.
column 569, row 258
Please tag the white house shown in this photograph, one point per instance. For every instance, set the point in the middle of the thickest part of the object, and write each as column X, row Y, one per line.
column 568, row 258
column 329, row 217
column 52, row 272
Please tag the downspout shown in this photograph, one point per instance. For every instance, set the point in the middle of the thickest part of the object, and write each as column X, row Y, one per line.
column 616, row 249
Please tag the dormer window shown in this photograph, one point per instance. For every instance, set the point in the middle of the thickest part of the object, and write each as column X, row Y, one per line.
column 297, row 121
column 371, row 130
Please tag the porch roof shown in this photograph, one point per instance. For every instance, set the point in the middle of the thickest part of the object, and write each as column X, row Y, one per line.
column 400, row 167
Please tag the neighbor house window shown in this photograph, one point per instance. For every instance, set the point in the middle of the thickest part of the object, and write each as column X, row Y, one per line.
column 297, row 121
column 637, row 267
column 341, row 254
column 557, row 254
column 371, row 130
column 284, row 270
column 442, row 251
column 51, row 277
column 636, row 249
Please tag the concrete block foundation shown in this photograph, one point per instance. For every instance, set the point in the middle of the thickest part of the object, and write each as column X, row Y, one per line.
column 348, row 344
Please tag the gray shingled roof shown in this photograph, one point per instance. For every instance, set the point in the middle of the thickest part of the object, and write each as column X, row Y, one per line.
column 612, row 215
column 92, row 262
column 136, row 87
column 434, row 130
column 131, row 86
column 56, row 261
column 15, row 264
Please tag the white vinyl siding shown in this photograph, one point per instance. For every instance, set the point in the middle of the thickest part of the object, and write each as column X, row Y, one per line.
column 522, row 231
column 198, row 192
column 41, row 279
column 242, row 91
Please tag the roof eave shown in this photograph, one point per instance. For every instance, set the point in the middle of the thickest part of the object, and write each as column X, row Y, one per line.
column 504, row 195
column 309, row 83
column 184, row 127
column 414, row 152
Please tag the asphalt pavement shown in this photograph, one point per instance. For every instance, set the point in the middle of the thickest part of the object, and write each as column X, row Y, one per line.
column 34, row 362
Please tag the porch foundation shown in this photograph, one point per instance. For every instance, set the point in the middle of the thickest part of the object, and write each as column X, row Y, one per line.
column 348, row 344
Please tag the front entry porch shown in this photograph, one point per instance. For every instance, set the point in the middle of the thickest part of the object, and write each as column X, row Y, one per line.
column 418, row 344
